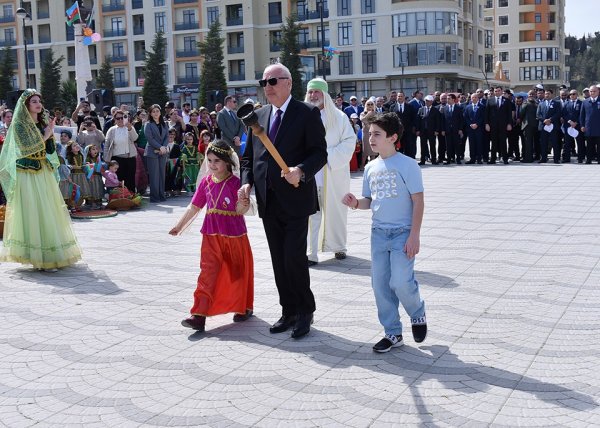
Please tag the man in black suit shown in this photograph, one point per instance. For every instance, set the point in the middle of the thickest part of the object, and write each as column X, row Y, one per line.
column 429, row 125
column 498, row 122
column 408, row 116
column 297, row 131
column 453, row 124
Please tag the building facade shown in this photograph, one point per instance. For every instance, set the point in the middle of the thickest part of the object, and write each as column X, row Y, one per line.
column 383, row 45
column 530, row 41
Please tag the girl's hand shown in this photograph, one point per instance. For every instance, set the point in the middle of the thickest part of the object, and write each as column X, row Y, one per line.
column 174, row 231
column 50, row 128
column 349, row 200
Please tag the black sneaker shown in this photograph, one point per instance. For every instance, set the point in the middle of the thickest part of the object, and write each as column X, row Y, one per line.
column 419, row 328
column 388, row 342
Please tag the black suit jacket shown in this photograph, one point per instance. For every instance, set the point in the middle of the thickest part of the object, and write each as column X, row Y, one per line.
column 498, row 117
column 301, row 143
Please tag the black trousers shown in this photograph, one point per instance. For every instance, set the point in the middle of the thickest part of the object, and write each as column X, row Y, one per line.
column 287, row 238
column 593, row 148
column 428, row 137
column 452, row 145
column 499, row 144
column 126, row 171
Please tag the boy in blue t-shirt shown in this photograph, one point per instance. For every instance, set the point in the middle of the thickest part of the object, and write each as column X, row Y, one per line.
column 393, row 189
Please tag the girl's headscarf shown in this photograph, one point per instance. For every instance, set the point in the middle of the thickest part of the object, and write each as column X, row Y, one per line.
column 22, row 139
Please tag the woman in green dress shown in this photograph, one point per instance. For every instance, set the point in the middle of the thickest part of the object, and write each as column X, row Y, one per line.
column 37, row 229
column 191, row 158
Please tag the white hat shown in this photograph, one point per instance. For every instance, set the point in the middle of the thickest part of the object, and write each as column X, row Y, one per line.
column 586, row 89
column 539, row 86
column 353, row 116
column 429, row 98
column 353, row 98
column 486, row 92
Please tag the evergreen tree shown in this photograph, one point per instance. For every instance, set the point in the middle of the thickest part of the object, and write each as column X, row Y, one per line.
column 212, row 76
column 68, row 95
column 582, row 46
column 105, row 77
column 7, row 71
column 50, row 76
column 290, row 50
column 155, row 87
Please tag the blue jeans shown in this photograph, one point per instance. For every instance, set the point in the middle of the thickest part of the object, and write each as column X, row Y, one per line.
column 393, row 278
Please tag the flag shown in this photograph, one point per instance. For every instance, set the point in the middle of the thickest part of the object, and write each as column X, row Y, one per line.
column 73, row 14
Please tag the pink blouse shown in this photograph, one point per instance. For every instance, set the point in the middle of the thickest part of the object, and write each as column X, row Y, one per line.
column 220, row 200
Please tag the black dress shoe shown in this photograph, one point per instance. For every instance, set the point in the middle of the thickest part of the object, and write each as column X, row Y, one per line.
column 434, row 162
column 312, row 263
column 283, row 324
column 479, row 162
column 340, row 255
column 243, row 317
column 302, row 326
column 471, row 162
column 422, row 163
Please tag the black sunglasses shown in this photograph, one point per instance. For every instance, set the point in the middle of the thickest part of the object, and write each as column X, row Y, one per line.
column 119, row 118
column 272, row 81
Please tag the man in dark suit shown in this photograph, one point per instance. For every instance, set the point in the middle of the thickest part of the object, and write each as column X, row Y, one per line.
column 589, row 118
column 453, row 123
column 391, row 101
column 354, row 107
column 498, row 122
column 429, row 125
column 230, row 125
column 529, row 125
column 296, row 130
column 570, row 119
column 474, row 116
column 550, row 118
column 408, row 116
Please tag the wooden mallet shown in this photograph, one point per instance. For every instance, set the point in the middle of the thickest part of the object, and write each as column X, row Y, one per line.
column 250, row 119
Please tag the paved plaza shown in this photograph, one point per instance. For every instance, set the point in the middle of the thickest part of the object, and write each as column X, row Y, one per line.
column 509, row 269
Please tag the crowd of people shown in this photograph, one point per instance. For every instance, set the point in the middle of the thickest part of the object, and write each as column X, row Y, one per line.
column 488, row 125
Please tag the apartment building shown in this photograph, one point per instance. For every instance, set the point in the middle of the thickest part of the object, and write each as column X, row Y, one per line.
column 530, row 41
column 383, row 44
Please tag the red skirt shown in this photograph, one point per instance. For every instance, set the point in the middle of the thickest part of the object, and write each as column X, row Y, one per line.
column 226, row 280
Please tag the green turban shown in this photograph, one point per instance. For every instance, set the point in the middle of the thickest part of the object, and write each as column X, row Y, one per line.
column 317, row 84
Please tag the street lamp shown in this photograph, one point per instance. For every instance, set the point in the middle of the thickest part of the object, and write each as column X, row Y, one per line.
column 25, row 18
column 322, row 39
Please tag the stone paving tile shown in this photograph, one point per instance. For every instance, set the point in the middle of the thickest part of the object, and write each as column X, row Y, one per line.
column 509, row 268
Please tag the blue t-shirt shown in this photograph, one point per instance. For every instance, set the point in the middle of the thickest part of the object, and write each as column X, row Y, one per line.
column 389, row 183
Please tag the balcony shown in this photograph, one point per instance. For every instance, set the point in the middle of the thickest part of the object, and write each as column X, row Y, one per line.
column 313, row 44
column 235, row 49
column 238, row 20
column 137, row 30
column 236, row 77
column 116, row 58
column 7, row 18
column 140, row 56
column 44, row 38
column 137, row 4
column 121, row 83
column 179, row 26
column 43, row 14
column 186, row 53
column 113, row 6
column 187, row 79
column 115, row 33
column 184, row 1
column 313, row 14
column 5, row 43
column 274, row 47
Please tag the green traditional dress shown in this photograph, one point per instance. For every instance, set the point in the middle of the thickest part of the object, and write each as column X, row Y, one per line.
column 37, row 229
column 190, row 161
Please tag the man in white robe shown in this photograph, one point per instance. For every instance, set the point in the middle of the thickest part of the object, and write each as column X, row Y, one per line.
column 328, row 230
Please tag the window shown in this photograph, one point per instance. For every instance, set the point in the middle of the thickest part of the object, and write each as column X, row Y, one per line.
column 344, row 33
column 502, row 3
column 503, row 20
column 538, row 1
column 159, row 22
column 489, row 4
column 368, row 31
column 303, row 37
column 503, row 56
column 369, row 61
column 489, row 37
column 7, row 10
column 538, row 36
column 412, row 24
column 503, row 38
column 302, row 8
column 538, row 18
column 189, row 16
column 367, row 6
column 480, row 37
column 189, row 43
column 212, row 14
column 118, row 50
column 345, row 59
column 344, row 8
column 158, row 3
column 275, row 12
column 9, row 34
column 414, row 54
column 551, row 18
column 191, row 69
column 551, row 35
column 116, row 24
column 119, row 75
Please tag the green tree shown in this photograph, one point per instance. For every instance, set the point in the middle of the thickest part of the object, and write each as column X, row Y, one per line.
column 290, row 54
column 7, row 71
column 155, row 87
column 105, row 77
column 212, row 76
column 50, row 76
column 68, row 95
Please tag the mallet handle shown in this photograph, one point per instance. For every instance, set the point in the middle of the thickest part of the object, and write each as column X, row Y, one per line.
column 264, row 138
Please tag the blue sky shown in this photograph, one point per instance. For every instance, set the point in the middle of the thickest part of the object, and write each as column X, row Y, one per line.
column 582, row 17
